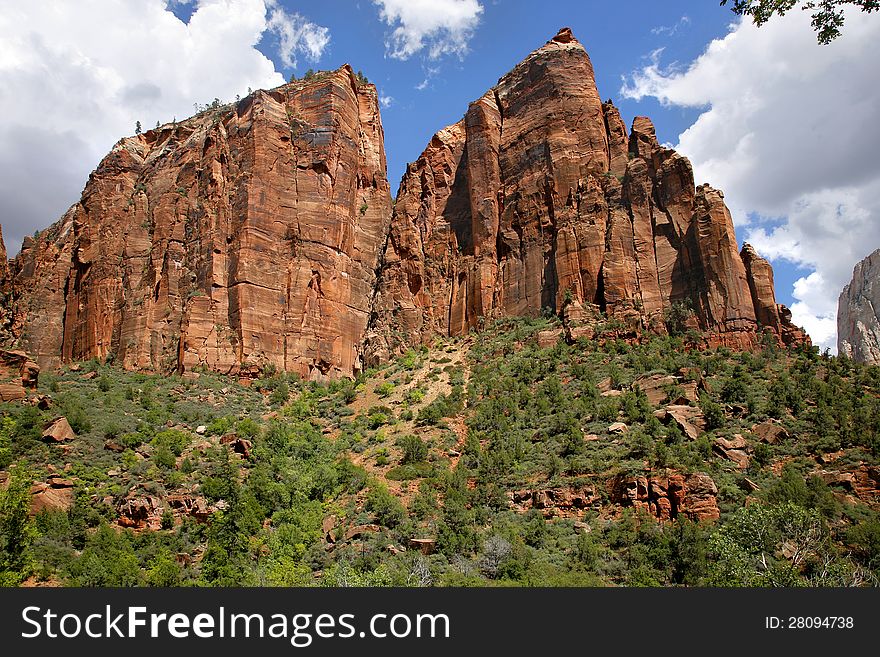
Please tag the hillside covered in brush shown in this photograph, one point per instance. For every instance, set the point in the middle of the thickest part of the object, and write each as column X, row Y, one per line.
column 508, row 456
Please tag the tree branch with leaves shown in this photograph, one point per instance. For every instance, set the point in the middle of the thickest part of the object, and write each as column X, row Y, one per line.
column 828, row 15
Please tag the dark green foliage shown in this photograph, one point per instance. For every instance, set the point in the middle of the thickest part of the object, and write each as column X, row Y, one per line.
column 108, row 559
column 386, row 509
column 479, row 470
column 810, row 493
column 414, row 449
column 16, row 529
column 280, row 394
column 828, row 15
column 713, row 412
column 677, row 316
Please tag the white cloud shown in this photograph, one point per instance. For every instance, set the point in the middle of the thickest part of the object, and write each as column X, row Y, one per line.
column 789, row 131
column 430, row 73
column 443, row 27
column 74, row 78
column 296, row 35
column 385, row 101
column 671, row 30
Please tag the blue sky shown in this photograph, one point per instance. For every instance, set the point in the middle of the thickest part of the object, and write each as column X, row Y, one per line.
column 785, row 127
column 617, row 35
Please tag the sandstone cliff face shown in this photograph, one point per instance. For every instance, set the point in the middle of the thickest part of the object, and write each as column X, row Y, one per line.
column 263, row 233
column 246, row 236
column 538, row 198
column 858, row 322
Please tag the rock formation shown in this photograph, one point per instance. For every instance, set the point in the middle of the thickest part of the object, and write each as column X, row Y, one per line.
column 262, row 234
column 666, row 494
column 858, row 321
column 538, row 199
column 246, row 236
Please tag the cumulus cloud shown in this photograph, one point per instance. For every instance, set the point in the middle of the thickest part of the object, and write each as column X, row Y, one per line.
column 74, row 77
column 789, row 131
column 442, row 27
column 297, row 35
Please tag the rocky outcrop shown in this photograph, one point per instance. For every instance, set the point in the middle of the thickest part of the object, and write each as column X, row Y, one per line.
column 246, row 236
column 261, row 234
column 666, row 495
column 858, row 321
column 55, row 494
column 18, row 375
column 140, row 512
column 774, row 317
column 562, row 502
column 538, row 199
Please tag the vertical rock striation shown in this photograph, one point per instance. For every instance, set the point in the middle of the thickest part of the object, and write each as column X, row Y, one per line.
column 539, row 198
column 246, row 236
column 262, row 233
column 858, row 321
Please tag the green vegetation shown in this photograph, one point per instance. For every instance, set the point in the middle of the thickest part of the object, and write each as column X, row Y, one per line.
column 482, row 461
column 828, row 15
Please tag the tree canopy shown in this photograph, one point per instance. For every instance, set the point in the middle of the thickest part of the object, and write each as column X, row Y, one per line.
column 827, row 15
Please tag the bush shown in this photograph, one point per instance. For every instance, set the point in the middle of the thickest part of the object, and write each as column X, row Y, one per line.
column 677, row 316
column 713, row 413
column 247, row 428
column 414, row 449
column 220, row 426
column 16, row 529
column 73, row 409
column 280, row 394
column 164, row 458
column 386, row 509
column 173, row 440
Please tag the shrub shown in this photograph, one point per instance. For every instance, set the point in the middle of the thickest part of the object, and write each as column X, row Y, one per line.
column 247, row 428
column 386, row 509
column 677, row 316
column 415, row 450
column 171, row 439
column 385, row 389
column 280, row 394
column 164, row 457
column 713, row 413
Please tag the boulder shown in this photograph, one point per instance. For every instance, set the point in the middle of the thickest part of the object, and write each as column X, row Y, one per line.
column 736, row 449
column 140, row 512
column 689, row 419
column 667, row 494
column 58, row 431
column 654, row 386
column 238, row 445
column 56, row 494
column 424, row 545
column 770, row 432
column 359, row 531
column 191, row 505
column 11, row 392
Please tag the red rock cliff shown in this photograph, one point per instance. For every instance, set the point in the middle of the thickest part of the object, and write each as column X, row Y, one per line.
column 263, row 234
column 538, row 198
column 245, row 236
